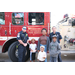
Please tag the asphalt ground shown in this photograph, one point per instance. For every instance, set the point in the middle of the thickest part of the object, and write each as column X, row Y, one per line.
column 67, row 56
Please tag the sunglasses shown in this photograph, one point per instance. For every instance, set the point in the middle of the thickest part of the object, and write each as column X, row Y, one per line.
column 24, row 28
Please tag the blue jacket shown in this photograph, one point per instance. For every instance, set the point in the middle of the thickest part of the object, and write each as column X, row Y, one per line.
column 21, row 35
column 58, row 36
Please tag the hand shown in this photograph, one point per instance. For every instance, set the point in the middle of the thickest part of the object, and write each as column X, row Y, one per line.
column 38, row 51
column 43, row 57
column 48, row 51
column 35, row 50
column 31, row 50
column 25, row 44
column 37, row 59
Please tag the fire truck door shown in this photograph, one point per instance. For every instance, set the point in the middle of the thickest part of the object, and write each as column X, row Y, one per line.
column 3, row 27
column 35, row 22
column 16, row 21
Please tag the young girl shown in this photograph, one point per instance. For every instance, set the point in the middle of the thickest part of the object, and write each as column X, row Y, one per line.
column 32, row 48
column 44, row 41
column 42, row 54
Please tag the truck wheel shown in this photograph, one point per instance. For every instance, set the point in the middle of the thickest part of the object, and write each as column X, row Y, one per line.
column 13, row 53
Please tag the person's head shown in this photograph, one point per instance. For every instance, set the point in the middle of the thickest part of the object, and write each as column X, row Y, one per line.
column 54, row 38
column 33, row 41
column 42, row 48
column 44, row 31
column 54, row 29
column 24, row 28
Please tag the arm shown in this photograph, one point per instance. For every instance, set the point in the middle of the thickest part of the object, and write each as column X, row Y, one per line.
column 45, row 56
column 48, row 45
column 20, row 41
column 38, row 47
column 50, row 37
column 19, row 38
column 58, row 48
column 60, row 37
column 30, row 49
column 27, row 41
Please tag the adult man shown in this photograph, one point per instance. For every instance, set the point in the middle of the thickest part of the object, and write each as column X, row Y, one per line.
column 59, row 37
column 23, row 39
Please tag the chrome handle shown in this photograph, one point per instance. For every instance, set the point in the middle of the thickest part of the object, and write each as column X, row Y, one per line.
column 48, row 28
column 10, row 28
column 5, row 32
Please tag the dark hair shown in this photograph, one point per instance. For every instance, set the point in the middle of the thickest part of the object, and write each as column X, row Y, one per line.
column 44, row 29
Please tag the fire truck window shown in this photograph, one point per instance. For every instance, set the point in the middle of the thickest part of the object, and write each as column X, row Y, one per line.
column 2, row 18
column 17, row 18
column 36, row 19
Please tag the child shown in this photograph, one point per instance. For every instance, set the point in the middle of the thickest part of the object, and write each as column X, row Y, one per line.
column 32, row 48
column 42, row 54
column 54, row 49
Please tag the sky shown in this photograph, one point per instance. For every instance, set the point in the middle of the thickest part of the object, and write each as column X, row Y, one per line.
column 56, row 17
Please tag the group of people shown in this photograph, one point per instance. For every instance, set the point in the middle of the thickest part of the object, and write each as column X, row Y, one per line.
column 45, row 45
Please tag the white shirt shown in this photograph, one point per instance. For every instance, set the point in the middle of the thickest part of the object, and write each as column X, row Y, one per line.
column 33, row 47
column 41, row 55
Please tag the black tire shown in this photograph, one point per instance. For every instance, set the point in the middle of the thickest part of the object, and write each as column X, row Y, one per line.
column 12, row 50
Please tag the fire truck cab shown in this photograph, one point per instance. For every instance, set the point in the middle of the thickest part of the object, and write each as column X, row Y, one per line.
column 12, row 22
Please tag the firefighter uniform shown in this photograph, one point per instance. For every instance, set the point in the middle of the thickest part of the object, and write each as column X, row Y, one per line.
column 58, row 36
column 22, row 49
column 58, row 39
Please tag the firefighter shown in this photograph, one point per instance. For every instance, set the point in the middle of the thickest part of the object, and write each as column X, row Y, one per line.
column 59, row 37
column 23, row 39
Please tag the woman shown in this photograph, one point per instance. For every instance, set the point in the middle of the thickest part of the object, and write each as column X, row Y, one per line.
column 44, row 41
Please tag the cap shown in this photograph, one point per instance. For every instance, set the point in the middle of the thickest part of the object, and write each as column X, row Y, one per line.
column 42, row 47
column 24, row 28
column 54, row 36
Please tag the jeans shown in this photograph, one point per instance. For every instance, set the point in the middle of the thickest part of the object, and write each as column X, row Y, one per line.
column 53, row 59
column 59, row 57
column 45, row 50
column 30, row 56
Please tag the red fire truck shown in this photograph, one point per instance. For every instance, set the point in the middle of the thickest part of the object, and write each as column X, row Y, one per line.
column 11, row 23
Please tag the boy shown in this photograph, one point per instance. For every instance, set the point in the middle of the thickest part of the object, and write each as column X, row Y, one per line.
column 42, row 54
column 54, row 49
column 32, row 48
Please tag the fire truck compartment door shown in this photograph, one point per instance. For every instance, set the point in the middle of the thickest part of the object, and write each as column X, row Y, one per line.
column 3, row 27
column 3, row 24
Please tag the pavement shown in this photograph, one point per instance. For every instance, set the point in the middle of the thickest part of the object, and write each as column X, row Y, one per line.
column 67, row 56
